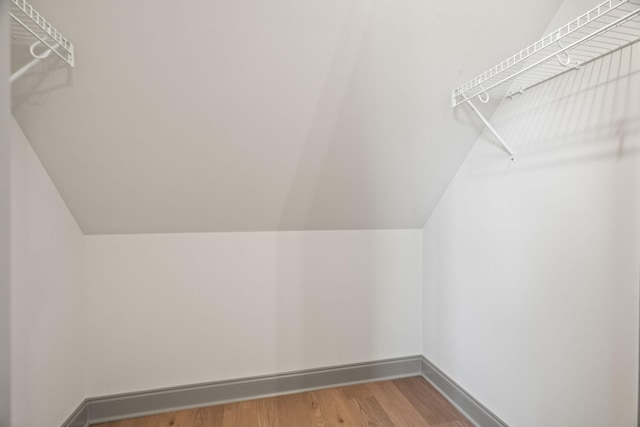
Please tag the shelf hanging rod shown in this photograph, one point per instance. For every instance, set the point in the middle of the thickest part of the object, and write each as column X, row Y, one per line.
column 45, row 34
column 570, row 46
column 563, row 50
column 69, row 59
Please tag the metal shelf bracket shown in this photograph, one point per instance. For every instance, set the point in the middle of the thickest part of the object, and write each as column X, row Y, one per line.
column 491, row 129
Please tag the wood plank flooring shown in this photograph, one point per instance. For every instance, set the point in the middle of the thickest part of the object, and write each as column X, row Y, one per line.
column 410, row 402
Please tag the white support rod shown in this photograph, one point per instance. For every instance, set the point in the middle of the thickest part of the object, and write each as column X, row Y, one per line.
column 15, row 76
column 37, row 57
column 492, row 130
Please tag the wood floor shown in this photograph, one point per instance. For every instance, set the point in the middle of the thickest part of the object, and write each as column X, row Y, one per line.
column 410, row 402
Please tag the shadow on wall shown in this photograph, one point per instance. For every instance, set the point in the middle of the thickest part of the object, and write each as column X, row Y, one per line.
column 531, row 266
column 587, row 114
column 341, row 297
column 301, row 210
column 325, row 302
column 48, row 76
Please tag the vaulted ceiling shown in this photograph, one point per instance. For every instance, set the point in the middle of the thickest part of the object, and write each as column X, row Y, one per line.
column 262, row 115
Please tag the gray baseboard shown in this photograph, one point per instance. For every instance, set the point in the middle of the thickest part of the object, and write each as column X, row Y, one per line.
column 117, row 407
column 475, row 411
column 112, row 408
column 79, row 418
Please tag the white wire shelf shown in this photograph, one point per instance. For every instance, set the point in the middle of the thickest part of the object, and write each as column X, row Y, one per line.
column 611, row 25
column 607, row 27
column 29, row 26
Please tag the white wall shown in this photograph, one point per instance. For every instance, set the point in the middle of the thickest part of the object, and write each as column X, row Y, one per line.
column 531, row 269
column 298, row 115
column 165, row 310
column 173, row 309
column 5, row 251
column 47, row 312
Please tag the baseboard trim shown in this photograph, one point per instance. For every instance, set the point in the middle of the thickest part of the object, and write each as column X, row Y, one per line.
column 79, row 418
column 118, row 407
column 475, row 411
column 130, row 405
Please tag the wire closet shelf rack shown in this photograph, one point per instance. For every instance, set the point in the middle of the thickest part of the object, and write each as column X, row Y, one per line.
column 610, row 26
column 28, row 25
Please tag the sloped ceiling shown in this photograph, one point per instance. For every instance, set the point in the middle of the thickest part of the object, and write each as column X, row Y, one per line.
column 262, row 115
